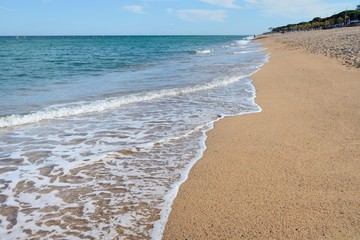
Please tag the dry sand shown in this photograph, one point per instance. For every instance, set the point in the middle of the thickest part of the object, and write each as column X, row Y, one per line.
column 341, row 43
column 289, row 172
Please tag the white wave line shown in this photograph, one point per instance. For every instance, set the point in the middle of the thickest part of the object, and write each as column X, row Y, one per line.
column 59, row 111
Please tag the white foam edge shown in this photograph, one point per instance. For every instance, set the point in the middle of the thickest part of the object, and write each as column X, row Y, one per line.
column 251, row 37
column 159, row 226
column 241, row 42
column 79, row 108
column 245, row 52
column 206, row 51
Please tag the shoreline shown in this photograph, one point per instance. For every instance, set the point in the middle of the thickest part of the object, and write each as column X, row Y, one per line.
column 116, row 159
column 287, row 171
column 159, row 226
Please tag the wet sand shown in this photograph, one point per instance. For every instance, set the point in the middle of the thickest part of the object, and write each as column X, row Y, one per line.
column 289, row 172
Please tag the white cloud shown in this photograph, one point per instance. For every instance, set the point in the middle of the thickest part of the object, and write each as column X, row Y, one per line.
column 134, row 9
column 296, row 8
column 222, row 3
column 199, row 14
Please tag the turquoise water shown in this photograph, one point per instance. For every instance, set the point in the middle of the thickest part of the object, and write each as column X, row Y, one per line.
column 97, row 133
column 40, row 71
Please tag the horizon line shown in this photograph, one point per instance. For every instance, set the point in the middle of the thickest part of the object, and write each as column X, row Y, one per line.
column 123, row 35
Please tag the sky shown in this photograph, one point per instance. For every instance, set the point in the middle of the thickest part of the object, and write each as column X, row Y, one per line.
column 159, row 17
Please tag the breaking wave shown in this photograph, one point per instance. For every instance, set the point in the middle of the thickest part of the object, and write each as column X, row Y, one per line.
column 207, row 51
column 84, row 107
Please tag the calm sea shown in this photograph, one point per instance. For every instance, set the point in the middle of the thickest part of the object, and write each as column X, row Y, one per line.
column 97, row 133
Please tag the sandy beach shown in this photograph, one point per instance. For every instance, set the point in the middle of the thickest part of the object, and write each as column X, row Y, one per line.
column 291, row 171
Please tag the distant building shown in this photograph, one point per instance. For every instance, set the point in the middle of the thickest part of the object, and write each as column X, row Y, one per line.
column 358, row 7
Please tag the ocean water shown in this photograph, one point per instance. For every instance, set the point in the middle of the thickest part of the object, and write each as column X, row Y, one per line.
column 97, row 133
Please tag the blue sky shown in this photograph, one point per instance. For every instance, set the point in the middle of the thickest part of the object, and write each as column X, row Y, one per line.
column 158, row 17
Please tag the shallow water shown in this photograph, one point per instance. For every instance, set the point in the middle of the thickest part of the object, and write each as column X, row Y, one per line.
column 89, row 154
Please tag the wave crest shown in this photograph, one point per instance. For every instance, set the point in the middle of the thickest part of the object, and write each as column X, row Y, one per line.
column 207, row 51
column 78, row 108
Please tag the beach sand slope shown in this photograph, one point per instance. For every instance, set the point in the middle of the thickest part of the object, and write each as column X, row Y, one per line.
column 340, row 43
column 289, row 172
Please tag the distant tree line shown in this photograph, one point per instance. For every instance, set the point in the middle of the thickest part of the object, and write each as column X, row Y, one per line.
column 337, row 20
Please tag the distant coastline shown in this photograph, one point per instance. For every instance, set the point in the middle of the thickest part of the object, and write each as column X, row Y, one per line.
column 348, row 18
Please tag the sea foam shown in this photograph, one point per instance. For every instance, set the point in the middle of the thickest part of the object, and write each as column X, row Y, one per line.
column 78, row 108
column 207, row 51
column 122, row 153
